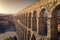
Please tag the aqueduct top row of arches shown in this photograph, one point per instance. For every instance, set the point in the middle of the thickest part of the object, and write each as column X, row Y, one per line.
column 47, row 13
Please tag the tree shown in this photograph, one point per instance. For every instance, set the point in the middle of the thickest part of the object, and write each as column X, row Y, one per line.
column 10, row 38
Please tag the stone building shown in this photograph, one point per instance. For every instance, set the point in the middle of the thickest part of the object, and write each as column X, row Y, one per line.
column 38, row 21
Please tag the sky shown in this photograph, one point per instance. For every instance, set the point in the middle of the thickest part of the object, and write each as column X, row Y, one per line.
column 14, row 6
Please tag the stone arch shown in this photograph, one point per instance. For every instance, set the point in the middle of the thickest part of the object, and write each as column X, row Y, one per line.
column 23, row 18
column 29, row 35
column 54, row 23
column 25, row 34
column 43, row 15
column 20, row 17
column 34, row 21
column 33, row 37
column 29, row 20
column 26, row 16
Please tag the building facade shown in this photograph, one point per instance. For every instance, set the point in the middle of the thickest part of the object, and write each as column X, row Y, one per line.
column 38, row 21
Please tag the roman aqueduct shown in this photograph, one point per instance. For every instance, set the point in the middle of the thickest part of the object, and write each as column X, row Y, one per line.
column 38, row 21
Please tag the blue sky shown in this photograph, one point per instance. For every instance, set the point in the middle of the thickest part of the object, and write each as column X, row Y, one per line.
column 14, row 6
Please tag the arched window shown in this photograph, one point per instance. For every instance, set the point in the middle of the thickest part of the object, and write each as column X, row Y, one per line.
column 29, row 35
column 23, row 19
column 26, row 15
column 29, row 20
column 43, row 22
column 54, row 22
column 26, row 34
column 34, row 21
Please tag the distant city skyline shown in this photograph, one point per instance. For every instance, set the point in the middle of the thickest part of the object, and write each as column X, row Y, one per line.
column 14, row 6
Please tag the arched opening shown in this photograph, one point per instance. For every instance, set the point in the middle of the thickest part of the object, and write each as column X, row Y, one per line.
column 55, row 21
column 26, row 15
column 34, row 21
column 24, row 18
column 20, row 18
column 43, row 22
column 25, row 34
column 33, row 37
column 29, row 20
column 29, row 35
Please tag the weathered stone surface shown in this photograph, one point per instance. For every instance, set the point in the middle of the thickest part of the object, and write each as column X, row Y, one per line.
column 36, row 22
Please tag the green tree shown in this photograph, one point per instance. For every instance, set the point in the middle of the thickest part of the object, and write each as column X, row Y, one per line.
column 10, row 38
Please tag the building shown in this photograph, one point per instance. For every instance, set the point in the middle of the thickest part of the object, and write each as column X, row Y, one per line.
column 6, row 19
